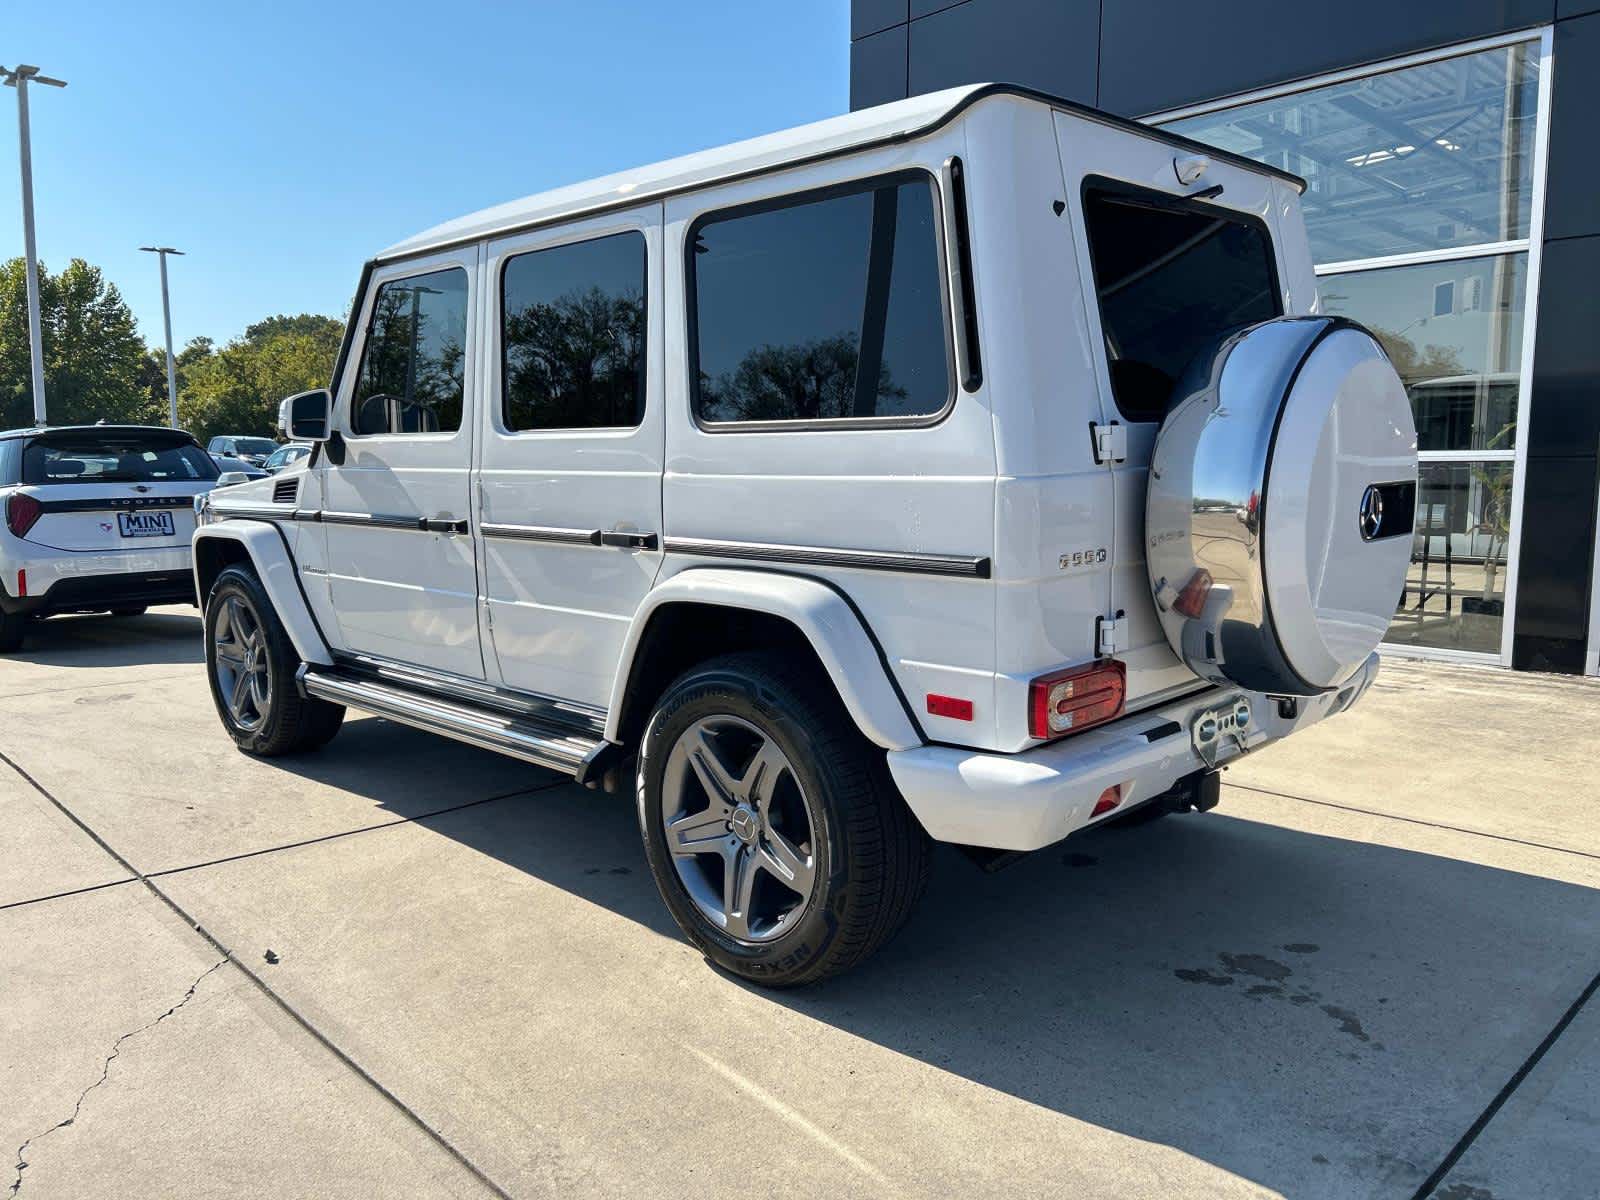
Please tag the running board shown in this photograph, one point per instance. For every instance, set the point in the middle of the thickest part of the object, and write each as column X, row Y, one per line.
column 531, row 741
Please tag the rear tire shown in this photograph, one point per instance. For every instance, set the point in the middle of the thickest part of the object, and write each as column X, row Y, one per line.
column 11, row 627
column 807, row 813
column 251, row 664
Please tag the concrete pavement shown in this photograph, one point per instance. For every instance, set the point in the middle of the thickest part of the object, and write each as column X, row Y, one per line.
column 1363, row 968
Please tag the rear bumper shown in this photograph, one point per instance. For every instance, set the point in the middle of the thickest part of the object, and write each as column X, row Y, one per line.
column 92, row 582
column 1029, row 800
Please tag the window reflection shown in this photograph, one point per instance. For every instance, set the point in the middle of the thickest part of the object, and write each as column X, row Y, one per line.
column 411, row 377
column 1440, row 154
column 822, row 308
column 573, row 330
column 1454, row 333
column 1455, row 587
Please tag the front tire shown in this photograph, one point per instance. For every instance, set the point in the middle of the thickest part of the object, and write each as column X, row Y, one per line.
column 771, row 826
column 251, row 664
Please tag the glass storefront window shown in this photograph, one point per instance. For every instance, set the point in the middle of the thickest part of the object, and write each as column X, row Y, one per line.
column 1454, row 332
column 1435, row 155
column 1454, row 594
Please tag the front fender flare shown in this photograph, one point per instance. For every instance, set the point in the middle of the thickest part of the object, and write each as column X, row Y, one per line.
column 852, row 659
column 264, row 544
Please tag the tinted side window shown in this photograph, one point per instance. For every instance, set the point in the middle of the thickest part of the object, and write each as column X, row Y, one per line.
column 572, row 335
column 1172, row 281
column 822, row 308
column 411, row 377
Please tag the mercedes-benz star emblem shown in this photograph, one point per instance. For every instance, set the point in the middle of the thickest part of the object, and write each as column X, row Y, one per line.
column 1371, row 512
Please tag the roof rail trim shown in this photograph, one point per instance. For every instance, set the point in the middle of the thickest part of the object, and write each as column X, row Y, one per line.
column 415, row 249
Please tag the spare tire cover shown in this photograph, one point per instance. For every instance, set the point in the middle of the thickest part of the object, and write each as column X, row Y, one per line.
column 1280, row 508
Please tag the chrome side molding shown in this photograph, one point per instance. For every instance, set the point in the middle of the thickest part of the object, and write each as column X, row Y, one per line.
column 959, row 565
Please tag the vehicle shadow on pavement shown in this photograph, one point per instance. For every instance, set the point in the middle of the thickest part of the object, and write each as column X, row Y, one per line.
column 1319, row 1015
column 165, row 636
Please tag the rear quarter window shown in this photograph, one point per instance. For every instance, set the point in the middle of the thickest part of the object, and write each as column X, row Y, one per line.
column 1173, row 278
column 822, row 307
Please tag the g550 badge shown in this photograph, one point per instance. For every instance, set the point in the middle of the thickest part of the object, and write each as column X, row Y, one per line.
column 1083, row 558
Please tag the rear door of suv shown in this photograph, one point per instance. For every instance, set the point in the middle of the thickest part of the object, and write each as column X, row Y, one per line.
column 1168, row 268
column 572, row 426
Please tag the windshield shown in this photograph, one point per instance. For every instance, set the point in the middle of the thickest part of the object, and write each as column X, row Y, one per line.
column 254, row 445
column 114, row 457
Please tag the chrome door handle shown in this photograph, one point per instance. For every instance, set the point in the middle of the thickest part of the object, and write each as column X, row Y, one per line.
column 629, row 541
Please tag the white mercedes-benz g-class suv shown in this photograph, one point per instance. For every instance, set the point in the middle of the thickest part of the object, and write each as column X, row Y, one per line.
column 973, row 469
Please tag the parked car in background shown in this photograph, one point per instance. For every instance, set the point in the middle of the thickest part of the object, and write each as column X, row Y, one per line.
column 229, row 465
column 253, row 450
column 97, row 519
column 978, row 470
column 286, row 456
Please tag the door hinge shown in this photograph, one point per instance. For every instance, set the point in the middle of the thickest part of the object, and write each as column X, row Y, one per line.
column 1110, row 441
column 1111, row 634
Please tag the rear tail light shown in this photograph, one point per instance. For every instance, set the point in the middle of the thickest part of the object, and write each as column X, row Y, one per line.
column 22, row 510
column 1191, row 601
column 1075, row 699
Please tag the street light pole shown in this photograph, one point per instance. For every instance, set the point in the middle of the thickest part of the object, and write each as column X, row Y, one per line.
column 166, row 317
column 19, row 79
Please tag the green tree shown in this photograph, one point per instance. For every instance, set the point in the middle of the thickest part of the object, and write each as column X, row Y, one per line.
column 94, row 362
column 236, row 390
column 153, row 371
column 809, row 380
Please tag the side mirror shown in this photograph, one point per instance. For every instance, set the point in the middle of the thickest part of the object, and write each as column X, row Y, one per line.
column 230, row 478
column 305, row 417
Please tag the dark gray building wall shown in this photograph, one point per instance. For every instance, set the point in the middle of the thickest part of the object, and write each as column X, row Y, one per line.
column 1554, row 586
column 1142, row 56
column 1138, row 57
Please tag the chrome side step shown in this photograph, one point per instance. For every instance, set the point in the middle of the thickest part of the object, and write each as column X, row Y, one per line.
column 544, row 745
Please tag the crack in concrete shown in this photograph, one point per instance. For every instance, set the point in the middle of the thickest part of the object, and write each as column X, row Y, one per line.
column 105, row 1073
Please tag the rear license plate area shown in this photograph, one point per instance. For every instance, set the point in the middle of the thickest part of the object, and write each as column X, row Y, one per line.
column 1220, row 731
column 146, row 524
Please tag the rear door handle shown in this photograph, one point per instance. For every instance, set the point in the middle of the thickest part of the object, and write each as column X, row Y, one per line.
column 443, row 525
column 629, row 541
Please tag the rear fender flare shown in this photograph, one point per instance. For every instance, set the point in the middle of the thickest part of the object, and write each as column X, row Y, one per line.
column 266, row 549
column 822, row 614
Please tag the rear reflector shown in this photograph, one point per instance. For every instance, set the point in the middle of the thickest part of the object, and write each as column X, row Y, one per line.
column 1075, row 699
column 22, row 583
column 950, row 706
column 22, row 510
column 1109, row 799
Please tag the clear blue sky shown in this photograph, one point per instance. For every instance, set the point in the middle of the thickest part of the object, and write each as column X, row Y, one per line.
column 281, row 143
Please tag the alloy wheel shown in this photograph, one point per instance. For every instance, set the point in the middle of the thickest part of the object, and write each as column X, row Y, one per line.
column 243, row 669
column 739, row 828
